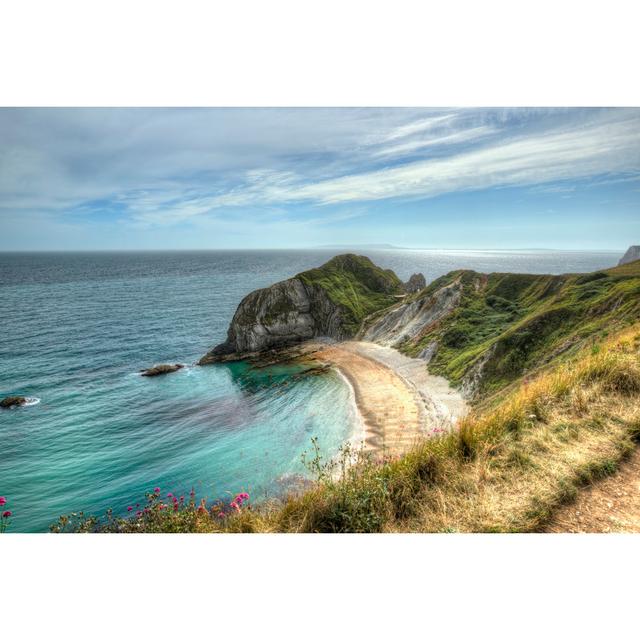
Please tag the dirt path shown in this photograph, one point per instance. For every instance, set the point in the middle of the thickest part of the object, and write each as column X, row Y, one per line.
column 610, row 505
column 396, row 413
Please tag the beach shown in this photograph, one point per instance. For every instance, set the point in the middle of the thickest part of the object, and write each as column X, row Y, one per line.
column 398, row 400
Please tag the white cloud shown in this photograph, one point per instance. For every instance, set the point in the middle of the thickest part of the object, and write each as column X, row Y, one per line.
column 417, row 126
column 465, row 135
column 167, row 166
column 608, row 145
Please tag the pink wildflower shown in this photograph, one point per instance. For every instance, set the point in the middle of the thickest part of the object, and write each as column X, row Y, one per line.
column 6, row 514
column 139, row 513
column 157, row 490
column 221, row 515
column 129, row 508
column 169, row 495
column 3, row 500
column 175, row 506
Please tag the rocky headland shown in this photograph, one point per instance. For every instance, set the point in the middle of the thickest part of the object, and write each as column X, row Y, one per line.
column 479, row 331
column 329, row 301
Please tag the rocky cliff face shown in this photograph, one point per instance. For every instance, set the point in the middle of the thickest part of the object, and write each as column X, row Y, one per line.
column 633, row 253
column 407, row 321
column 283, row 314
column 329, row 301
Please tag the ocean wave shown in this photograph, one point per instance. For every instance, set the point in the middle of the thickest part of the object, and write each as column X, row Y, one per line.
column 29, row 402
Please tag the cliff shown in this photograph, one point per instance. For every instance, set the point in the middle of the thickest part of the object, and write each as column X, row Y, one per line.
column 485, row 331
column 633, row 253
column 331, row 300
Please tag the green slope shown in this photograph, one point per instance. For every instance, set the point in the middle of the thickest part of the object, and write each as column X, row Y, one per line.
column 357, row 285
column 517, row 322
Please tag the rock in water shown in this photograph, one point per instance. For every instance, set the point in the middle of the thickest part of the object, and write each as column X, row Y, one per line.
column 416, row 283
column 331, row 301
column 12, row 401
column 633, row 253
column 161, row 369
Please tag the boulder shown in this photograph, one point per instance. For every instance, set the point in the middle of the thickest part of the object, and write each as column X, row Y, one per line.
column 161, row 369
column 12, row 401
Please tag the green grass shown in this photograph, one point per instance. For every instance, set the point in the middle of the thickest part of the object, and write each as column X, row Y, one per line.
column 518, row 322
column 357, row 285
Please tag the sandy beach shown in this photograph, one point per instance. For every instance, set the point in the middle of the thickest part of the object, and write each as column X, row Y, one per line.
column 399, row 401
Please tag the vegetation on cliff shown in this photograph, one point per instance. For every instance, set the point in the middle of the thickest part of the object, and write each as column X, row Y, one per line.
column 506, row 324
column 355, row 284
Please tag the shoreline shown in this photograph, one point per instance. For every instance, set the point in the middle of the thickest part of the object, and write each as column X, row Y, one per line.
column 397, row 400
column 358, row 436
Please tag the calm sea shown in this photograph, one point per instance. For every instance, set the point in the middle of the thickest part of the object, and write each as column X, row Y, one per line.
column 76, row 329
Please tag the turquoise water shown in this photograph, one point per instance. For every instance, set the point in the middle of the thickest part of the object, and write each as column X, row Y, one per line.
column 76, row 329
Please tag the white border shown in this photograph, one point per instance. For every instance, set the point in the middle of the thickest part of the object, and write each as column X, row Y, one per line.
column 470, row 53
column 288, row 52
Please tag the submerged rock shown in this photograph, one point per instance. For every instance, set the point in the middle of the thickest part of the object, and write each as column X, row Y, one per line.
column 161, row 369
column 633, row 253
column 12, row 401
column 415, row 283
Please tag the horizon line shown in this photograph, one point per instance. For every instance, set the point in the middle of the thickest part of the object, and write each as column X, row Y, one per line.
column 371, row 247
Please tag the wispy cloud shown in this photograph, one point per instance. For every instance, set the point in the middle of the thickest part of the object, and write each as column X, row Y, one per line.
column 422, row 143
column 417, row 126
column 610, row 144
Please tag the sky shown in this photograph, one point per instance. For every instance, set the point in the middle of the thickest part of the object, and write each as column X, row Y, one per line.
column 224, row 178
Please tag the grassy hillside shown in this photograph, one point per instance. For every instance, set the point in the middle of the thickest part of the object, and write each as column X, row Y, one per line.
column 357, row 285
column 510, row 324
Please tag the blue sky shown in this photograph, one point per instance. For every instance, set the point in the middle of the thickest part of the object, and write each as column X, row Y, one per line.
column 253, row 178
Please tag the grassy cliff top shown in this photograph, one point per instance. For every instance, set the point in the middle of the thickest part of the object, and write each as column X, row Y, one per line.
column 510, row 324
column 356, row 284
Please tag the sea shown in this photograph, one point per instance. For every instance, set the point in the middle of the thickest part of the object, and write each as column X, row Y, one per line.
column 77, row 328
